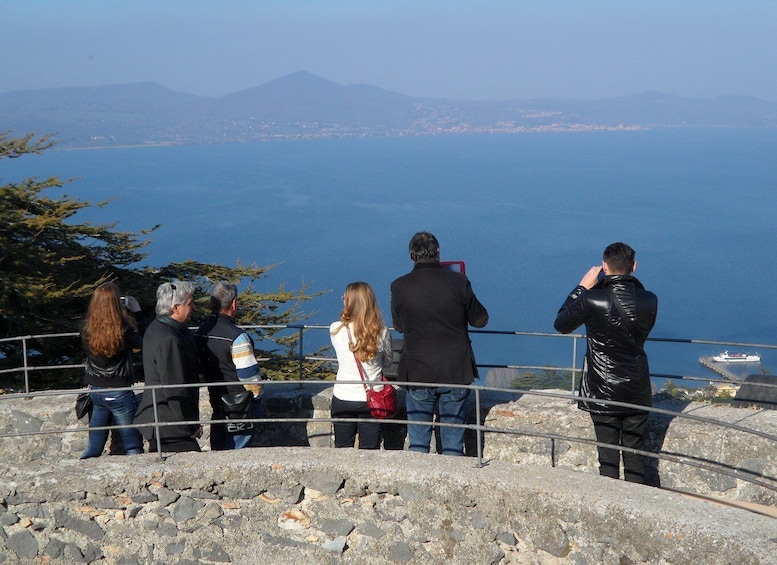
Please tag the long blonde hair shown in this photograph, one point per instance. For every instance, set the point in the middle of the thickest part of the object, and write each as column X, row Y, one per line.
column 360, row 308
column 103, row 330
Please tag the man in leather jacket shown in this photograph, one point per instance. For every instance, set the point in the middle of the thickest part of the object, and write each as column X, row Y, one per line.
column 618, row 314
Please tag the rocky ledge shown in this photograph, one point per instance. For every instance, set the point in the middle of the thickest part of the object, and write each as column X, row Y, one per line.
column 322, row 506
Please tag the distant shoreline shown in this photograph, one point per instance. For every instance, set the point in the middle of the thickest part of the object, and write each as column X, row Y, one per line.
column 572, row 128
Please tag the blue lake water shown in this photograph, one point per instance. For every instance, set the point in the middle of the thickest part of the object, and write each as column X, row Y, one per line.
column 528, row 213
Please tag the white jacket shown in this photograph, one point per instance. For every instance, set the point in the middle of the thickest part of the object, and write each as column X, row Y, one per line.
column 347, row 369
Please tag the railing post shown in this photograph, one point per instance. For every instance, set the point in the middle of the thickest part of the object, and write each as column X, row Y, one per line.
column 26, row 366
column 478, row 432
column 552, row 452
column 574, row 363
column 301, row 349
column 156, row 425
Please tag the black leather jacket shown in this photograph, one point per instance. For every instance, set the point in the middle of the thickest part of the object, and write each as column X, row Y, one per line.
column 616, row 363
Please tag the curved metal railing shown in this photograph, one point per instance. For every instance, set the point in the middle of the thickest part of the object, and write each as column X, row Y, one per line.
column 28, row 368
column 479, row 428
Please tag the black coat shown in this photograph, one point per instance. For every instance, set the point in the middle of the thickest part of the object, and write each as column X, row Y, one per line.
column 133, row 340
column 433, row 307
column 170, row 358
column 616, row 363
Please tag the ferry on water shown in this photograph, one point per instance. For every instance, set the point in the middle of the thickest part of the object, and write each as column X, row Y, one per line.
column 727, row 357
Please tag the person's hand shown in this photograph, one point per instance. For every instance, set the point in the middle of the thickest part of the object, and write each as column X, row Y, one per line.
column 255, row 388
column 132, row 304
column 590, row 279
column 198, row 433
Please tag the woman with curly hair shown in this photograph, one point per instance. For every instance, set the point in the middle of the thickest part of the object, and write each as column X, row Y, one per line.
column 360, row 336
column 109, row 334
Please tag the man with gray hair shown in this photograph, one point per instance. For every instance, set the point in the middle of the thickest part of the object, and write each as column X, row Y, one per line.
column 227, row 355
column 170, row 358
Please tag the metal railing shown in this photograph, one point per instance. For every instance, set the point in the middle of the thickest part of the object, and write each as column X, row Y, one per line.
column 480, row 430
column 29, row 366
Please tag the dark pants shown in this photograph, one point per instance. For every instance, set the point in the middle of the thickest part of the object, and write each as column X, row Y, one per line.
column 178, row 445
column 626, row 431
column 345, row 432
column 234, row 436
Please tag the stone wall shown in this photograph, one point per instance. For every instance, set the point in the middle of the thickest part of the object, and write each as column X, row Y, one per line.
column 693, row 443
column 529, row 505
column 321, row 506
column 740, row 460
column 689, row 444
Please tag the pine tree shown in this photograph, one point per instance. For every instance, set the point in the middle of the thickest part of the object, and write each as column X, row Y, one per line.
column 50, row 263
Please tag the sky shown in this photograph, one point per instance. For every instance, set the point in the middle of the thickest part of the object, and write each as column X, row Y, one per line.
column 467, row 50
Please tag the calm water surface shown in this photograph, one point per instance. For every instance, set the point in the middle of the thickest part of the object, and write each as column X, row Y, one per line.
column 528, row 213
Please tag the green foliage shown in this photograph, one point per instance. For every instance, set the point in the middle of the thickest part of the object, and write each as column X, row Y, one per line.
column 547, row 379
column 725, row 395
column 51, row 263
column 671, row 389
column 276, row 308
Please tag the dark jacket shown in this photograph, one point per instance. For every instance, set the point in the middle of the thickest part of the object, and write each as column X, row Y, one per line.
column 214, row 340
column 107, row 367
column 169, row 358
column 433, row 307
column 616, row 364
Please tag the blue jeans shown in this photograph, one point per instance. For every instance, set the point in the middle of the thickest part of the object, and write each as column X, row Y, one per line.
column 221, row 438
column 109, row 409
column 452, row 405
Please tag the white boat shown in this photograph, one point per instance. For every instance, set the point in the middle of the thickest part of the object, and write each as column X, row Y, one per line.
column 727, row 357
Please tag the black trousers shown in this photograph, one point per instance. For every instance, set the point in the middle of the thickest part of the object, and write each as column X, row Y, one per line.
column 345, row 432
column 176, row 445
column 627, row 431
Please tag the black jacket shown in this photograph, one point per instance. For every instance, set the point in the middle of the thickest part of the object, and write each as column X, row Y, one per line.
column 214, row 340
column 616, row 364
column 170, row 358
column 433, row 307
column 133, row 340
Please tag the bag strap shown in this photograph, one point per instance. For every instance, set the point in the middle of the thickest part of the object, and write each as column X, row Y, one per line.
column 358, row 363
column 627, row 322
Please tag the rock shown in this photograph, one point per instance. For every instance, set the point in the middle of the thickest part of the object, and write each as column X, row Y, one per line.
column 336, row 545
column 23, row 544
column 185, row 509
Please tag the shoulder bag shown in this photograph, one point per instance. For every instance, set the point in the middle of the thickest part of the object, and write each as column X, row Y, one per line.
column 628, row 323
column 83, row 405
column 382, row 403
column 238, row 406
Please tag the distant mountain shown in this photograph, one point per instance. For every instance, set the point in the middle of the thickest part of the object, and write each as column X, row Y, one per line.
column 303, row 97
column 302, row 105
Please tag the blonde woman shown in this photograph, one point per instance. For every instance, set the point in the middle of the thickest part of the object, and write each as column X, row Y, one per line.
column 360, row 336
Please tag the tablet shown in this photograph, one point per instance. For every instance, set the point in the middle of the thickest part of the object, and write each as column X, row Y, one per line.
column 457, row 266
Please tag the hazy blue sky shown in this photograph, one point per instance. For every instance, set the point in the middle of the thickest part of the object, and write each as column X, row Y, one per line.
column 476, row 49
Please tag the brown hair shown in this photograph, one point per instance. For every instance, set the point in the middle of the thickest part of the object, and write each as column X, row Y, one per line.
column 360, row 307
column 106, row 318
